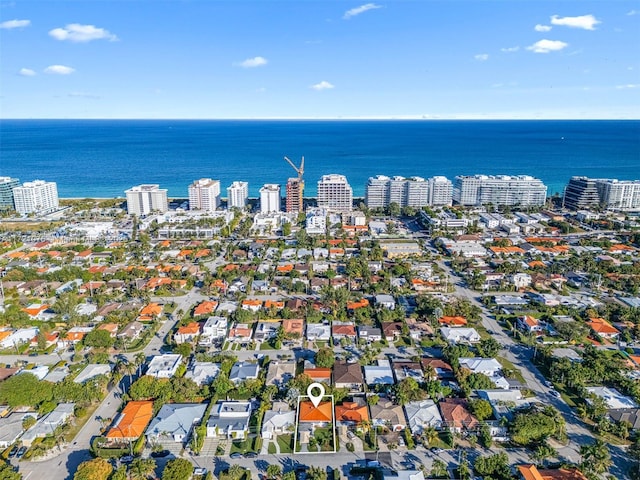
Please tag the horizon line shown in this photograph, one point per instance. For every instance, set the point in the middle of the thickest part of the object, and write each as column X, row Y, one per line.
column 415, row 118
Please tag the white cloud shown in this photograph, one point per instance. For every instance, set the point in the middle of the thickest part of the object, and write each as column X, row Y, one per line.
column 546, row 46
column 510, row 49
column 361, row 9
column 586, row 22
column 83, row 95
column 542, row 28
column 630, row 13
column 75, row 32
column 9, row 24
column 629, row 85
column 26, row 72
column 481, row 57
column 323, row 85
column 252, row 62
column 59, row 70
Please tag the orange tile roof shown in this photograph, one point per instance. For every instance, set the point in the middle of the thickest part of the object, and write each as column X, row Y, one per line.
column 358, row 304
column 336, row 251
column 155, row 282
column 529, row 320
column 109, row 327
column 229, row 267
column 321, row 413
column 205, row 252
column 54, row 253
column 240, row 332
column 293, row 325
column 84, row 253
column 205, row 308
column 531, row 472
column 506, row 249
column 34, row 311
column 600, row 325
column 16, row 254
column 74, row 336
column 318, row 373
column 165, row 243
column 5, row 333
column 273, row 303
column 134, row 419
column 352, row 412
column 185, row 252
column 456, row 321
column 192, row 328
column 542, row 239
column 536, row 263
column 621, row 248
column 285, row 268
column 151, row 309
column 97, row 268
column 253, row 302
column 454, row 410
column 348, row 330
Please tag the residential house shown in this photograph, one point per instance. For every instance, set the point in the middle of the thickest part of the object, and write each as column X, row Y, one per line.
column 407, row 369
column 531, row 472
column 18, row 337
column 386, row 301
column 487, row 366
column 322, row 375
column 280, row 372
column 93, row 370
column 293, row 327
column 73, row 336
column 619, row 415
column 436, row 368
column 132, row 331
column 348, row 375
column 318, row 332
column 266, row 331
column 530, row 325
column 241, row 332
column 352, row 413
column 456, row 415
column 452, row 321
column 174, row 422
column 46, row 425
column 214, row 329
column 205, row 308
column 421, row 415
column 604, row 329
column 278, row 421
column 57, row 374
column 460, row 335
column 319, row 417
column 612, row 397
column 340, row 330
column 251, row 304
column 385, row 413
column 203, row 373
column 369, row 334
column 164, row 366
column 242, row 371
column 187, row 333
column 11, row 427
column 391, row 330
column 229, row 420
column 112, row 328
column 380, row 374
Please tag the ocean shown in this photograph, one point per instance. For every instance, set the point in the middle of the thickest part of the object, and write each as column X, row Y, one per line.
column 103, row 158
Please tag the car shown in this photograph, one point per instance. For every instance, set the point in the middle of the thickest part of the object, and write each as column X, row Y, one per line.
column 555, row 393
column 160, row 454
column 436, row 450
column 34, row 354
column 235, row 455
column 13, row 451
column 200, row 471
column 126, row 459
column 250, row 455
column 21, row 451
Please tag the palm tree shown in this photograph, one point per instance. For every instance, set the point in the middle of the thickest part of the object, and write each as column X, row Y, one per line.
column 139, row 360
column 142, row 468
column 235, row 472
column 543, row 452
column 595, row 457
column 430, row 434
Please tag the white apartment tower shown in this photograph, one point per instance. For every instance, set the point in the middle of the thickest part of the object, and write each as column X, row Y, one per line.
column 36, row 197
column 622, row 195
column 204, row 194
column 440, row 191
column 270, row 198
column 237, row 195
column 407, row 192
column 417, row 192
column 144, row 199
column 519, row 190
column 335, row 193
column 377, row 192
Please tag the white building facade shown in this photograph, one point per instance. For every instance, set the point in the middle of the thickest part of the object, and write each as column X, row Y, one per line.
column 335, row 193
column 407, row 192
column 477, row 190
column 622, row 195
column 237, row 195
column 36, row 197
column 144, row 199
column 204, row 194
column 270, row 198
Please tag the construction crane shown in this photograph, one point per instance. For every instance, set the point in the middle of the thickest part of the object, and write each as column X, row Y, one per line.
column 299, row 170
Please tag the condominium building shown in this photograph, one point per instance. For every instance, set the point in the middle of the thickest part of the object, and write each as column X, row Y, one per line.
column 36, row 197
column 204, row 194
column 335, row 193
column 407, row 192
column 270, row 198
column 622, row 195
column 295, row 189
column 237, row 195
column 144, row 199
column 580, row 193
column 7, row 184
column 520, row 190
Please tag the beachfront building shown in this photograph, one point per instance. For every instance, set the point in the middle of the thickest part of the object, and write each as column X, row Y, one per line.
column 270, row 198
column 622, row 195
column 381, row 191
column 295, row 189
column 499, row 190
column 7, row 184
column 36, row 197
column 144, row 199
column 581, row 193
column 237, row 195
column 335, row 193
column 204, row 194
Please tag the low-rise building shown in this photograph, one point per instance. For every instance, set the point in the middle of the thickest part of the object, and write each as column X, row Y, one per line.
column 203, row 373
column 229, row 420
column 422, row 415
column 174, row 422
column 164, row 366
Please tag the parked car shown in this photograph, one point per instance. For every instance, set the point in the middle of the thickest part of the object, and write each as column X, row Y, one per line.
column 126, row 459
column 160, row 454
column 200, row 471
column 235, row 455
column 13, row 451
column 21, row 451
column 250, row 455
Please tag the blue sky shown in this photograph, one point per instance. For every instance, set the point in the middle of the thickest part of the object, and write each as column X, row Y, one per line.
column 319, row 59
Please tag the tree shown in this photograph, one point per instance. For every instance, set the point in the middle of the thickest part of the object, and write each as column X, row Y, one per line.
column 534, row 426
column 316, row 473
column 290, row 475
column 488, row 347
column 99, row 339
column 481, row 409
column 120, row 473
column 177, row 469
column 274, row 471
column 142, row 468
column 235, row 472
column 495, row 466
column 595, row 457
column 408, row 390
column 325, row 358
column 96, row 469
column 25, row 390
column 439, row 469
column 8, row 473
column 543, row 452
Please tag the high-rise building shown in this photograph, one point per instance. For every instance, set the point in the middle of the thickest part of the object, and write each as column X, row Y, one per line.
column 270, row 198
column 398, row 191
column 581, row 192
column 622, row 195
column 499, row 190
column 440, row 191
column 417, row 192
column 36, row 197
column 377, row 192
column 7, row 184
column 237, row 195
column 295, row 188
column 204, row 194
column 144, row 199
column 335, row 193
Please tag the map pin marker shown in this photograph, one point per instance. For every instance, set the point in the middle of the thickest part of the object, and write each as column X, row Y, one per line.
column 315, row 399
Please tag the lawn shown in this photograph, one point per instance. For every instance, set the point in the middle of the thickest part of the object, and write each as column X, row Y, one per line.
column 285, row 442
column 246, row 445
column 509, row 367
